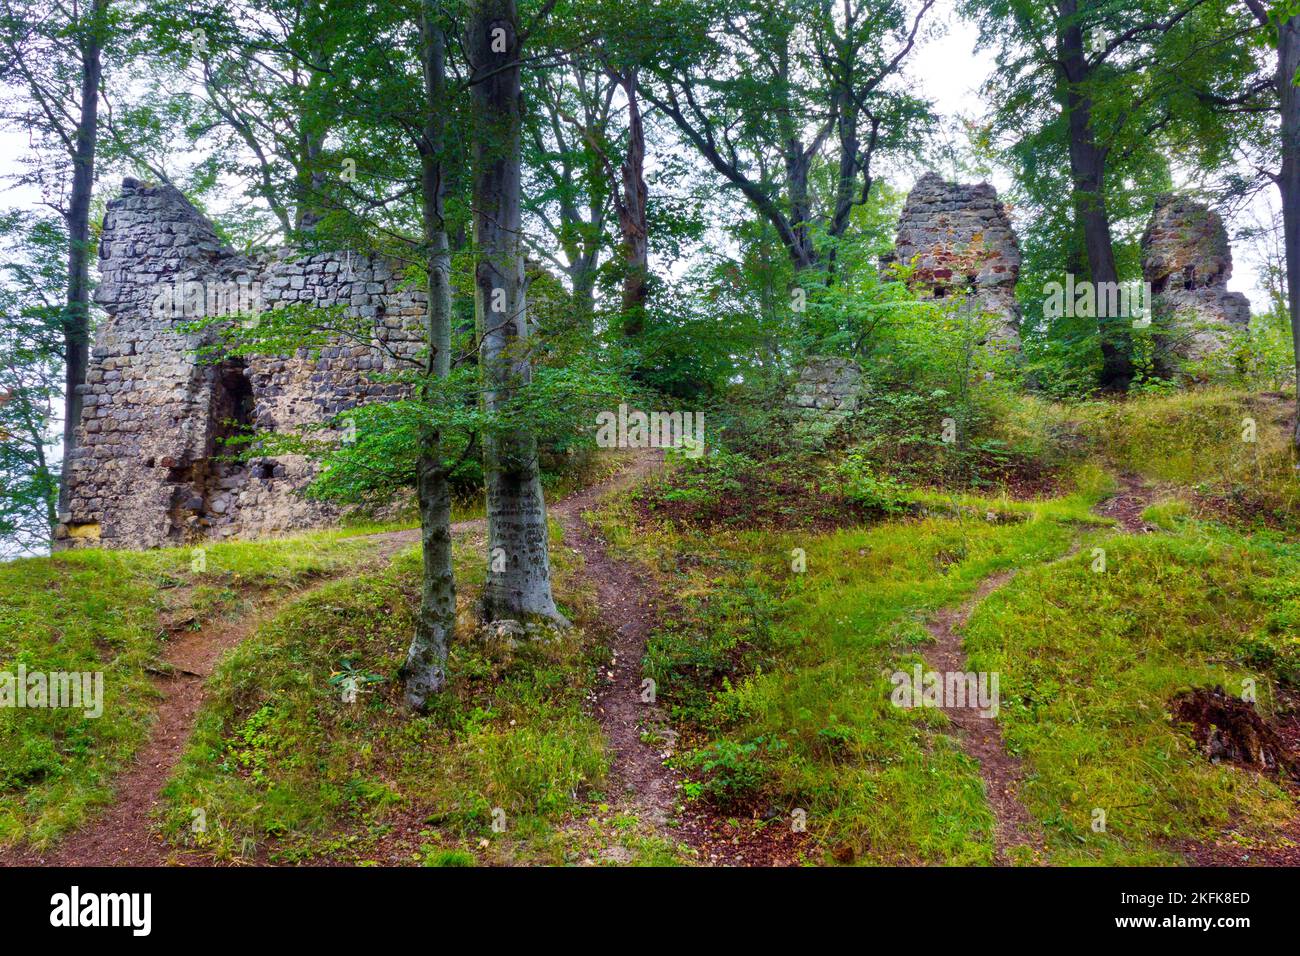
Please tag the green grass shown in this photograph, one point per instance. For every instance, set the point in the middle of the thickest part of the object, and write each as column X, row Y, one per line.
column 1089, row 662
column 780, row 678
column 1195, row 442
column 280, row 758
column 102, row 611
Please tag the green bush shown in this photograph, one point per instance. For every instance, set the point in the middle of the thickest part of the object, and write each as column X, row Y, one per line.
column 733, row 773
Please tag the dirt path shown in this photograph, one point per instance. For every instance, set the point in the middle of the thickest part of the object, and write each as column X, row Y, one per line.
column 122, row 835
column 1127, row 504
column 625, row 595
column 980, row 736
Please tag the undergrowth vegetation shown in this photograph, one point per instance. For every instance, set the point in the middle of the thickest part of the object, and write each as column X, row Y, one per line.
column 776, row 659
column 1091, row 661
column 780, row 677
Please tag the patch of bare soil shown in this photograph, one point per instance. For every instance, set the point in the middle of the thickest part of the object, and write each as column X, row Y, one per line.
column 745, row 840
column 1229, row 729
column 1226, row 728
column 1127, row 504
column 981, row 737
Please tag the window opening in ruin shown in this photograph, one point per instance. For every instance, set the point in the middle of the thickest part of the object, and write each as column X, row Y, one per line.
column 205, row 488
column 232, row 404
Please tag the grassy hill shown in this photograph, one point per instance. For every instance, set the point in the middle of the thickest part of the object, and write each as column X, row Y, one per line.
column 779, row 626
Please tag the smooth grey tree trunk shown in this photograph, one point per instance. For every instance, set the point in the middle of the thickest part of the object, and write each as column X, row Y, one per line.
column 1288, row 181
column 519, row 571
column 76, row 321
column 424, row 672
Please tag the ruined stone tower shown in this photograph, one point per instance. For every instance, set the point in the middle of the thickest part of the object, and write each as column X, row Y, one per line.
column 960, row 241
column 1188, row 261
column 147, row 472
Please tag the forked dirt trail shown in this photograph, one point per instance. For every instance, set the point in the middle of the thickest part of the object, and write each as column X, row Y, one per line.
column 123, row 834
column 981, row 736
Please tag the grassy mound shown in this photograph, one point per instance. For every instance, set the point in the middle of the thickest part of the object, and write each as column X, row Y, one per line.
column 283, row 764
column 104, row 611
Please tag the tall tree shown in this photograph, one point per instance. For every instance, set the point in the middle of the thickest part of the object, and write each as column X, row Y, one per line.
column 54, row 56
column 764, row 89
column 1274, row 95
column 259, row 85
column 1096, row 78
column 632, row 202
column 425, row 668
column 519, row 582
column 571, row 116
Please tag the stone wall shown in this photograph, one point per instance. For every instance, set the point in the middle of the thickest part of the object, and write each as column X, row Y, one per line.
column 1188, row 261
column 826, row 387
column 959, row 240
column 826, row 391
column 147, row 472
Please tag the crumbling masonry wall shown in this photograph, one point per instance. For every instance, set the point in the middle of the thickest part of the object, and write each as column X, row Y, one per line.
column 959, row 239
column 825, row 393
column 1188, row 261
column 147, row 472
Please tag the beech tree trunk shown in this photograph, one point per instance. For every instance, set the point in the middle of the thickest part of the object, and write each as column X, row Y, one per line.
column 1088, row 177
column 1288, row 181
column 424, row 672
column 519, row 571
column 76, row 320
column 632, row 213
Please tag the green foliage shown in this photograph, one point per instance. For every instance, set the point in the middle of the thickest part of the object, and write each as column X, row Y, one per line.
column 32, row 281
column 863, row 485
column 370, row 452
column 279, row 755
column 798, row 711
column 733, row 773
column 1090, row 662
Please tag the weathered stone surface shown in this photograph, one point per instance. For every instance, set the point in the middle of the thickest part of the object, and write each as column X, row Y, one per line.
column 148, row 472
column 959, row 239
column 1188, row 261
column 826, row 392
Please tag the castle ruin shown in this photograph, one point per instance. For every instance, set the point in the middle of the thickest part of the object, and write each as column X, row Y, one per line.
column 958, row 242
column 152, row 469
column 1188, row 261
